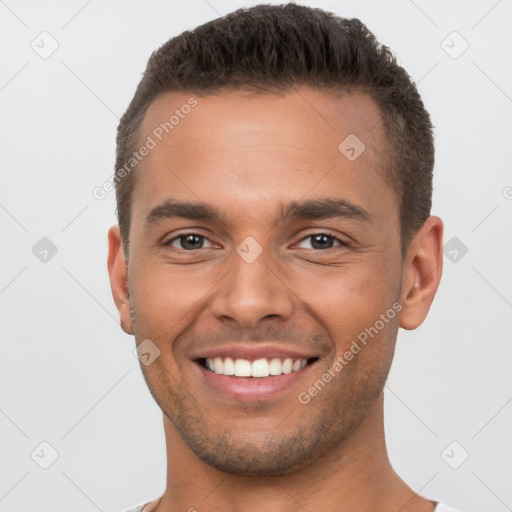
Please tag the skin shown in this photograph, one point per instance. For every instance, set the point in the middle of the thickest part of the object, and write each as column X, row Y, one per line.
column 246, row 155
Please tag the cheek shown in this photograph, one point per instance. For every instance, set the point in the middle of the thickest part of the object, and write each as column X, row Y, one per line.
column 347, row 300
column 167, row 299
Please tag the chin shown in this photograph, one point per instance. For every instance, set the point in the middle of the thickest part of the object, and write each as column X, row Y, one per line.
column 263, row 457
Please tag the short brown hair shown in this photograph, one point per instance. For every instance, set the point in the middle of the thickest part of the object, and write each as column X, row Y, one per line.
column 276, row 48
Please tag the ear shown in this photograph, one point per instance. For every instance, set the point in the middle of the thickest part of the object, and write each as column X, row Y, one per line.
column 118, row 274
column 423, row 267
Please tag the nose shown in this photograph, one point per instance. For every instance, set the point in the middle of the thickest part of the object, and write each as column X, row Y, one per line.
column 251, row 292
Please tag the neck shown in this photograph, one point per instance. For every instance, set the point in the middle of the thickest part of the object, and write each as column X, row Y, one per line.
column 354, row 475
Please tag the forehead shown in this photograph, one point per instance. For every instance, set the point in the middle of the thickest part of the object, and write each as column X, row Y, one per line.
column 262, row 149
column 315, row 119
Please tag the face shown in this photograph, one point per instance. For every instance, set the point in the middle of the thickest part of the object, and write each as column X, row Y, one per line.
column 258, row 247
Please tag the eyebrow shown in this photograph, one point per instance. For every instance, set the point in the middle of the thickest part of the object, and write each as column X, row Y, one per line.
column 312, row 209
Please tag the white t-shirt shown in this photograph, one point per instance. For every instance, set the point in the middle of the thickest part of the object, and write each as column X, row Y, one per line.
column 444, row 508
column 439, row 508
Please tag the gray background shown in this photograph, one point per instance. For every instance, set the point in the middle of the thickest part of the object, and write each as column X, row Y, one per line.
column 69, row 376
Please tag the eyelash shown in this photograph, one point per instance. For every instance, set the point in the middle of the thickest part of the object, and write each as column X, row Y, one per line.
column 342, row 243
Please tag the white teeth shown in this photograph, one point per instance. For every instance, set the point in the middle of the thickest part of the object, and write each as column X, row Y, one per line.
column 229, row 367
column 275, row 367
column 242, row 368
column 260, row 368
column 287, row 366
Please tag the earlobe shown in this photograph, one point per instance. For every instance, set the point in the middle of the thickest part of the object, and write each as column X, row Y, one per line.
column 117, row 270
column 422, row 273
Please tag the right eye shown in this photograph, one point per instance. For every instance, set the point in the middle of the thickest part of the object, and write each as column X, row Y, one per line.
column 188, row 241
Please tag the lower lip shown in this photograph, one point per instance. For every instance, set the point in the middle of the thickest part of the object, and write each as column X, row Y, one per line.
column 252, row 389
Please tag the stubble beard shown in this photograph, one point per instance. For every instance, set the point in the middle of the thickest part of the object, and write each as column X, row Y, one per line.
column 288, row 447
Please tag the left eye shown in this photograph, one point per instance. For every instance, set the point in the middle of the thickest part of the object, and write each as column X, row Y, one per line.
column 321, row 241
column 189, row 241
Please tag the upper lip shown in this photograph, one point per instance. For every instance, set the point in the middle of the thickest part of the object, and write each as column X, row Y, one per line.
column 251, row 352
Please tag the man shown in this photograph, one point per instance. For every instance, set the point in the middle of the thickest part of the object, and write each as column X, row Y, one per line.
column 274, row 181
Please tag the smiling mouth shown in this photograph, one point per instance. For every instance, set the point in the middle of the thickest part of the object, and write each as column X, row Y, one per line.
column 259, row 368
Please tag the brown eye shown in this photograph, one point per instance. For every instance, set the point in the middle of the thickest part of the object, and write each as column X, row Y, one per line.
column 188, row 241
column 322, row 241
